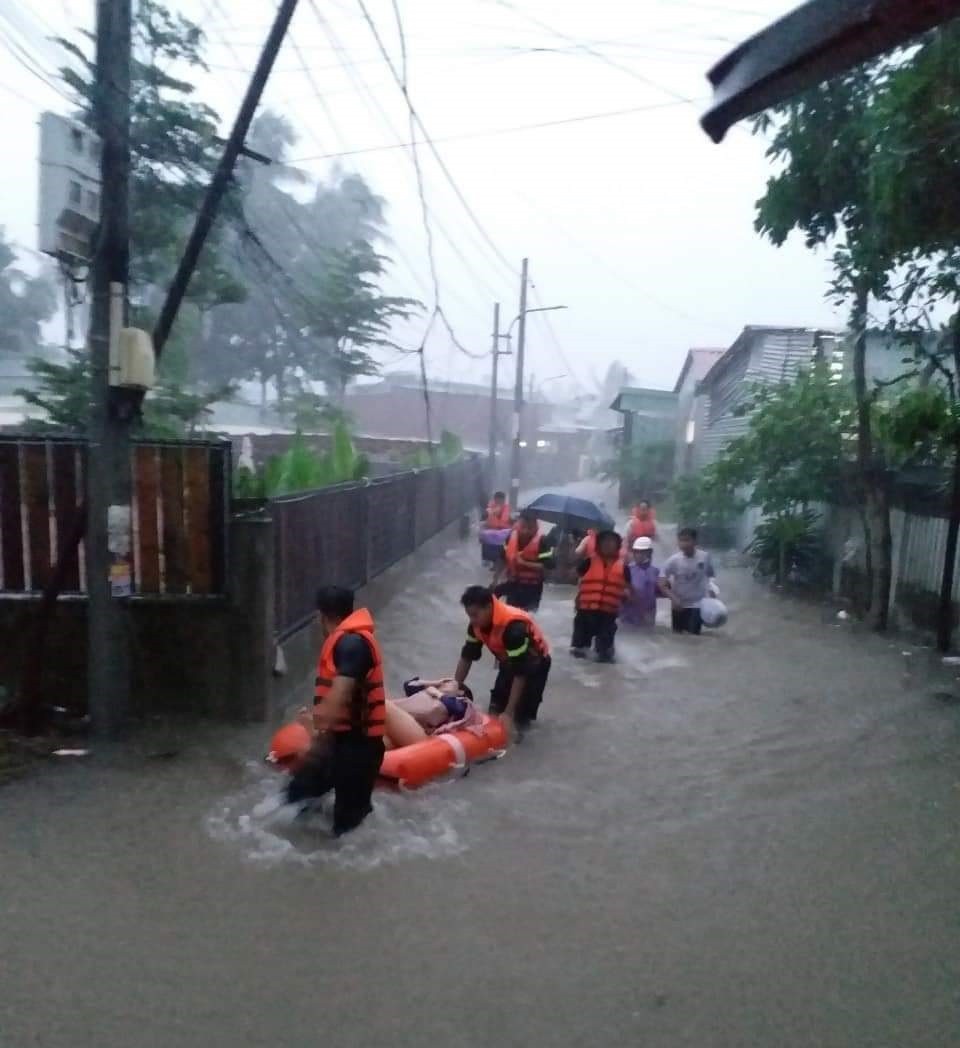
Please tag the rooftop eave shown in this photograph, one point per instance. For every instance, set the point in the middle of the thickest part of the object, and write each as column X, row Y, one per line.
column 816, row 41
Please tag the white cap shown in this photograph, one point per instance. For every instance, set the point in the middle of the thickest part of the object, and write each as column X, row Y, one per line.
column 643, row 543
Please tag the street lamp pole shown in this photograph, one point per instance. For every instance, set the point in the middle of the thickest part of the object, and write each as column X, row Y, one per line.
column 518, row 391
column 494, row 398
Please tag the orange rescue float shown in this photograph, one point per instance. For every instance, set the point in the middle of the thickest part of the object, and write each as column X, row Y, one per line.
column 416, row 765
column 408, row 766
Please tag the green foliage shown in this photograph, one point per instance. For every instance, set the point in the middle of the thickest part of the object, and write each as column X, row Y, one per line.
column 788, row 543
column 300, row 468
column 704, row 501
column 791, row 454
column 315, row 311
column 175, row 147
column 445, row 453
column 25, row 303
column 642, row 470
column 62, row 394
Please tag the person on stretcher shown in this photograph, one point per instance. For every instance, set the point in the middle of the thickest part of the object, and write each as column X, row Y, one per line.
column 427, row 707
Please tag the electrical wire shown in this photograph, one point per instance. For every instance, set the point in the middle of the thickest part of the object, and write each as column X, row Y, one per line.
column 375, row 108
column 560, row 122
column 593, row 52
column 428, row 140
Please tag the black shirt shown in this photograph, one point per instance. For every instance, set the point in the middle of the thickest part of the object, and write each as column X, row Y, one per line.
column 352, row 657
column 516, row 638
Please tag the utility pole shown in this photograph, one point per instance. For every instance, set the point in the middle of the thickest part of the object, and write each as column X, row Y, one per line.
column 224, row 172
column 108, row 453
column 518, row 391
column 494, row 399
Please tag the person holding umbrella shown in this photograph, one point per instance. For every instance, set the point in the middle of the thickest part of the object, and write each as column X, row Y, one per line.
column 527, row 555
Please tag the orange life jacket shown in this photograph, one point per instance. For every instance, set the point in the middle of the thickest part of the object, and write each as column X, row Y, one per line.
column 366, row 711
column 531, row 551
column 503, row 616
column 603, row 587
column 641, row 527
column 498, row 517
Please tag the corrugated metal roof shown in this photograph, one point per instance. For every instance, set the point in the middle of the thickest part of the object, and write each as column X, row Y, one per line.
column 809, row 45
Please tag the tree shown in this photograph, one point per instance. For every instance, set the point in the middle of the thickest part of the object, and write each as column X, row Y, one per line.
column 784, row 474
column 25, row 303
column 347, row 316
column 63, row 395
column 825, row 142
column 175, row 146
column 315, row 311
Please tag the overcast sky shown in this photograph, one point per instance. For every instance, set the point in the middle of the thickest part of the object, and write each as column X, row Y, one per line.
column 635, row 222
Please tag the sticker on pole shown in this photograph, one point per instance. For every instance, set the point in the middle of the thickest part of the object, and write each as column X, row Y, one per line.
column 119, row 540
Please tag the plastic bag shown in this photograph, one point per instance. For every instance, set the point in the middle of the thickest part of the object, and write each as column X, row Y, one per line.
column 713, row 612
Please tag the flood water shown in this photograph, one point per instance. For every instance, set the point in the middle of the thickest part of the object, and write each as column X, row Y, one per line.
column 747, row 839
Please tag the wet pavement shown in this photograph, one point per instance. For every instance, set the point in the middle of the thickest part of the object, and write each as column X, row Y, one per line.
column 746, row 839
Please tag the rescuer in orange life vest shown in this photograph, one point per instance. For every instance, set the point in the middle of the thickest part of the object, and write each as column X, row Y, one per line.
column 604, row 585
column 527, row 554
column 520, row 648
column 349, row 713
column 498, row 512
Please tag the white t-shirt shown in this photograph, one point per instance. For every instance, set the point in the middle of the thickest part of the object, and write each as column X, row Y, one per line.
column 689, row 577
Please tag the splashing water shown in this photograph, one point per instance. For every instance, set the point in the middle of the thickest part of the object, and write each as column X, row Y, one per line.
column 403, row 826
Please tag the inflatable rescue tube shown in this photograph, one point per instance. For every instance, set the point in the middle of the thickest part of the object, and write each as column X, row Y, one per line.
column 416, row 765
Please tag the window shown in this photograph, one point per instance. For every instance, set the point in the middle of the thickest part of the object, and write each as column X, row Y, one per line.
column 76, row 139
column 93, row 202
column 76, row 193
column 691, row 430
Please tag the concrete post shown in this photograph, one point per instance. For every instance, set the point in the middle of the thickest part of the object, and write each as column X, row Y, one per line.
column 252, row 615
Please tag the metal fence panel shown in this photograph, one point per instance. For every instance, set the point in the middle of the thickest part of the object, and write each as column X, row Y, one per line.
column 348, row 535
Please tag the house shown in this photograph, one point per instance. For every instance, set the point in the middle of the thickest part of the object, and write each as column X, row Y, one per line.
column 692, row 405
column 394, row 407
column 649, row 422
column 761, row 355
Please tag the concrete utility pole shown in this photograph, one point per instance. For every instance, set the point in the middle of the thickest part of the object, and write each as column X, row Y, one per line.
column 221, row 177
column 494, row 392
column 518, row 391
column 108, row 454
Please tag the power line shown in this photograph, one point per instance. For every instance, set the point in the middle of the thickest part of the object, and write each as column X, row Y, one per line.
column 429, row 142
column 373, row 105
column 599, row 55
column 500, row 131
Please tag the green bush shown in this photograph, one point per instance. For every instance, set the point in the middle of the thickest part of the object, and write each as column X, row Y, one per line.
column 790, row 542
column 300, row 468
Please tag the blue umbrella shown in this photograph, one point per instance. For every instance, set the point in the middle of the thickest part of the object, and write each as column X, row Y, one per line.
column 571, row 513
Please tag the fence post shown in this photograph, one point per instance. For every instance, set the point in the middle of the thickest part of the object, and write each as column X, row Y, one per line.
column 253, row 596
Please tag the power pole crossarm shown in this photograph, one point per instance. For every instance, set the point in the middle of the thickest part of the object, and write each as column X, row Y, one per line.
column 221, row 178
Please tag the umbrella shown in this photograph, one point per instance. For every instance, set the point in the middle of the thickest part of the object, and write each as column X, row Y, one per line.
column 571, row 513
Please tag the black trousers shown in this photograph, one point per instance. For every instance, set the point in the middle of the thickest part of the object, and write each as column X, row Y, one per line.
column 590, row 626
column 686, row 620
column 532, row 693
column 348, row 764
column 523, row 595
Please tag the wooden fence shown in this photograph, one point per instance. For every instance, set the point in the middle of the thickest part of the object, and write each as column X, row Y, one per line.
column 179, row 514
column 349, row 534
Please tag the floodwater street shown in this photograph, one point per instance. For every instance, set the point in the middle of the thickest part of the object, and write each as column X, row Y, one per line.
column 746, row 839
